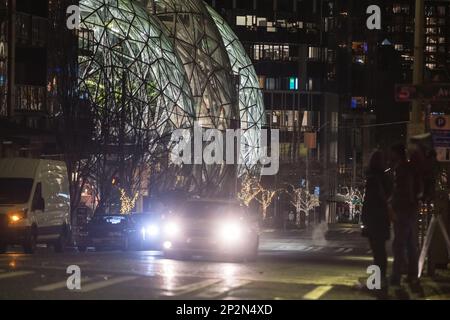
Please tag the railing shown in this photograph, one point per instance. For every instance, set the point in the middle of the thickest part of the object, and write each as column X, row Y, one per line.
column 31, row 30
column 30, row 98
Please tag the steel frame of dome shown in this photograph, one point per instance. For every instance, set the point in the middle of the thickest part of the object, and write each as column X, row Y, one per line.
column 251, row 103
column 176, row 61
column 131, row 57
column 200, row 47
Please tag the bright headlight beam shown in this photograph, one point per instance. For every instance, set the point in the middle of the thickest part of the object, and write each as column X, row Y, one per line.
column 172, row 229
column 152, row 230
column 230, row 231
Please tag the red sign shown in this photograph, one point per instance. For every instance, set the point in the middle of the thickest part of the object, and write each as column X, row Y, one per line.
column 405, row 92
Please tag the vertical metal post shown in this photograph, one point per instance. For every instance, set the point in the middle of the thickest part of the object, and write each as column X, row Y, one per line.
column 417, row 125
column 11, row 57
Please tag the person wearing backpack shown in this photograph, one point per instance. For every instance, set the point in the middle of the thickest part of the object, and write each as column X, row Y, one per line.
column 405, row 203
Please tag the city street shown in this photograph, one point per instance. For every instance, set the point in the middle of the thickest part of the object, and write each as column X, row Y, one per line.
column 291, row 265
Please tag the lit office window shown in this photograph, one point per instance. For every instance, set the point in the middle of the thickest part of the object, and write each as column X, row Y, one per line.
column 293, row 83
column 270, row 84
column 314, row 53
column 240, row 20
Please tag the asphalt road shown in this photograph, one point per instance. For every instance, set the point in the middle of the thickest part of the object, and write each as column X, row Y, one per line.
column 291, row 265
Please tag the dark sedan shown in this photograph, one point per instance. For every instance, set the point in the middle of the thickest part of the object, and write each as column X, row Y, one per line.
column 109, row 231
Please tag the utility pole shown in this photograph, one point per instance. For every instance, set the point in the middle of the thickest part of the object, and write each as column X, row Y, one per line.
column 11, row 58
column 417, row 125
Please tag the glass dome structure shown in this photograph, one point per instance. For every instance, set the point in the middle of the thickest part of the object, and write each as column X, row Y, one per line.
column 128, row 68
column 251, row 103
column 200, row 47
column 148, row 67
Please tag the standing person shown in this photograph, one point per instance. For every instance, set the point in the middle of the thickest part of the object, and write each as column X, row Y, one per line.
column 375, row 212
column 405, row 203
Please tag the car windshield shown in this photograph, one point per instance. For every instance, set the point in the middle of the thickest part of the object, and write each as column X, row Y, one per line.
column 203, row 210
column 15, row 190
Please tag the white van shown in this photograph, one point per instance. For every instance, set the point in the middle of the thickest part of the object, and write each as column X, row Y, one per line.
column 34, row 203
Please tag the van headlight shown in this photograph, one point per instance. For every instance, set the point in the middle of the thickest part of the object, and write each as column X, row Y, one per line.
column 231, row 231
column 17, row 216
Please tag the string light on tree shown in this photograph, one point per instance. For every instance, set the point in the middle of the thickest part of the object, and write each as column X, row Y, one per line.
column 127, row 203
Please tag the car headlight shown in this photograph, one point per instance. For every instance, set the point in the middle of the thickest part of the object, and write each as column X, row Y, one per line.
column 231, row 231
column 172, row 229
column 152, row 230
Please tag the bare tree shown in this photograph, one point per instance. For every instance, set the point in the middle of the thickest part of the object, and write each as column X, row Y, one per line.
column 354, row 198
column 303, row 202
column 264, row 198
column 250, row 188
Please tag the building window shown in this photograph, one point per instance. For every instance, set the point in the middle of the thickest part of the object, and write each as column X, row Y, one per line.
column 262, row 82
column 430, row 49
column 271, row 52
column 314, row 53
column 241, row 20
column 441, row 11
column 293, row 83
column 270, row 83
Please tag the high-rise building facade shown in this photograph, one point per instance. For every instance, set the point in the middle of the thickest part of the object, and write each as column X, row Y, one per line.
column 290, row 45
column 37, row 53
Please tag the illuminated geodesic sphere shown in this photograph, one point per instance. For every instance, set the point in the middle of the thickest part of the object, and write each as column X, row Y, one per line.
column 199, row 46
column 251, row 102
column 130, row 72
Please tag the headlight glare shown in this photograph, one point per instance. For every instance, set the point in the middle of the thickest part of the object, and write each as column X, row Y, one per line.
column 172, row 229
column 230, row 231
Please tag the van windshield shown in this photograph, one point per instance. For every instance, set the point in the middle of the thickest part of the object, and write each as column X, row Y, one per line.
column 15, row 190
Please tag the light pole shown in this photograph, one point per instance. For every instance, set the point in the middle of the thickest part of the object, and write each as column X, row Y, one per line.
column 417, row 125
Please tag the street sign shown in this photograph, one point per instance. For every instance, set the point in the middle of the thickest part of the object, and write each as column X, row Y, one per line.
column 442, row 154
column 440, row 122
column 405, row 92
column 441, row 138
column 433, row 92
column 440, row 131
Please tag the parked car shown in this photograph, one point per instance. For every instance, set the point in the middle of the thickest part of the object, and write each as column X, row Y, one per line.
column 148, row 228
column 211, row 227
column 108, row 231
column 34, row 203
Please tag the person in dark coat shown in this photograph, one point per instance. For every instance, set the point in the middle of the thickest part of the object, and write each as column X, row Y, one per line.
column 375, row 213
column 405, row 202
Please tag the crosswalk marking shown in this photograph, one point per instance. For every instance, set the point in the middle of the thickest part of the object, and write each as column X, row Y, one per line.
column 183, row 290
column 348, row 250
column 317, row 249
column 347, row 231
column 317, row 293
column 217, row 291
column 106, row 283
column 14, row 274
column 339, row 250
column 56, row 285
column 308, row 249
column 52, row 286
